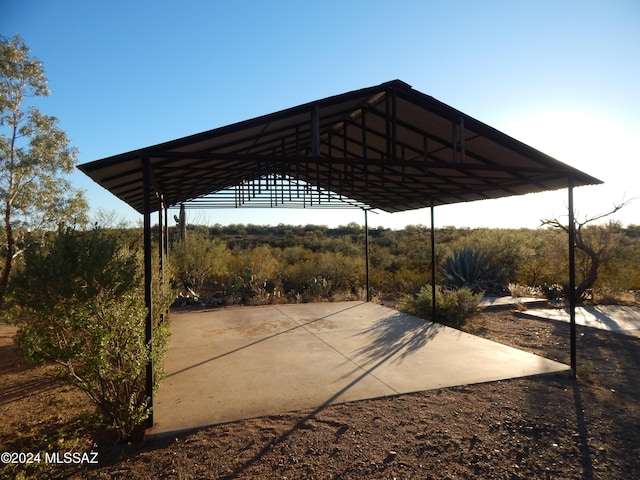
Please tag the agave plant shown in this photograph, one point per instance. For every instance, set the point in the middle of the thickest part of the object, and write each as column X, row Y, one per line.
column 473, row 269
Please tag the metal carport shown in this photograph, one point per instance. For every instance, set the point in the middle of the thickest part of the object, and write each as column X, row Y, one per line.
column 386, row 147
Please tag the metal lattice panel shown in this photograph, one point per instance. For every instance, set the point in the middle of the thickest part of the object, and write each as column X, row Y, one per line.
column 273, row 191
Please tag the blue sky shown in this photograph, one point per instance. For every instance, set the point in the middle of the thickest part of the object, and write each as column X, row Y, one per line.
column 561, row 76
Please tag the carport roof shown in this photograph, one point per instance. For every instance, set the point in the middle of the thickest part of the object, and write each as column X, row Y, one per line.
column 386, row 147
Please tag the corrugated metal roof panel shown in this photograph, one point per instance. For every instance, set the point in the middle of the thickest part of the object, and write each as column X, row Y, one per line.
column 387, row 147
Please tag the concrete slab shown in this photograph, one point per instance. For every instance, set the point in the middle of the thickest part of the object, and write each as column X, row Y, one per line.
column 237, row 363
column 508, row 302
column 614, row 318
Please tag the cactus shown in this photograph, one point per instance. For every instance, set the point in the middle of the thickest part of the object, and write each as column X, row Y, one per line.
column 318, row 286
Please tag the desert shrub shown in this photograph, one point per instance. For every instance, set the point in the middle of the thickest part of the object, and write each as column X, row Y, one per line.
column 249, row 288
column 255, row 275
column 506, row 249
column 80, row 305
column 345, row 273
column 294, row 255
column 409, row 280
column 517, row 290
column 339, row 274
column 554, row 292
column 296, row 275
column 198, row 260
column 453, row 307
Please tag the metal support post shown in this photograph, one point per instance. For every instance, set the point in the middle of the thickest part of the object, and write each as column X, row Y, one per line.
column 433, row 265
column 572, row 278
column 147, row 284
column 166, row 231
column 366, row 247
column 161, row 248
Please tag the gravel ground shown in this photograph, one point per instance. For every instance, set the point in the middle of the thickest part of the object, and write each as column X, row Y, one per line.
column 550, row 427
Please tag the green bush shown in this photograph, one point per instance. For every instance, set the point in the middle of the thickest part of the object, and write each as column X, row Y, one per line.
column 453, row 307
column 339, row 274
column 199, row 260
column 81, row 306
column 254, row 275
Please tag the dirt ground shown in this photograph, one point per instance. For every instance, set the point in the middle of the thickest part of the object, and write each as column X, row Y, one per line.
column 551, row 427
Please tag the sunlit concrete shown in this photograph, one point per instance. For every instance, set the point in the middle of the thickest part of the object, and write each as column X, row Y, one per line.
column 236, row 363
column 614, row 318
column 510, row 302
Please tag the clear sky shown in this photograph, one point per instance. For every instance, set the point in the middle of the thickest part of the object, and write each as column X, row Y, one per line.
column 562, row 76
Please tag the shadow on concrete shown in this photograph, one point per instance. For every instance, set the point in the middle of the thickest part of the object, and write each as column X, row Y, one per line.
column 613, row 318
column 604, row 319
column 396, row 335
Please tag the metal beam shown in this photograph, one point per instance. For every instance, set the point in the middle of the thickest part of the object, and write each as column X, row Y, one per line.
column 315, row 131
column 394, row 123
column 275, row 159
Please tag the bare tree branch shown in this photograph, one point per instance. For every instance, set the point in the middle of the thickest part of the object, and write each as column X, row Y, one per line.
column 595, row 255
column 616, row 206
column 555, row 223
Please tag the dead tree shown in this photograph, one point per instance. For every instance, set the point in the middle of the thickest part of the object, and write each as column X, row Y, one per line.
column 596, row 254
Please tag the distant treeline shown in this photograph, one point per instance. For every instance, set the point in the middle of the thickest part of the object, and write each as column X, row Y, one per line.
column 299, row 260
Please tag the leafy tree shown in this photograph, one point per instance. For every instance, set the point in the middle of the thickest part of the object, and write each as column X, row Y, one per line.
column 80, row 304
column 34, row 154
